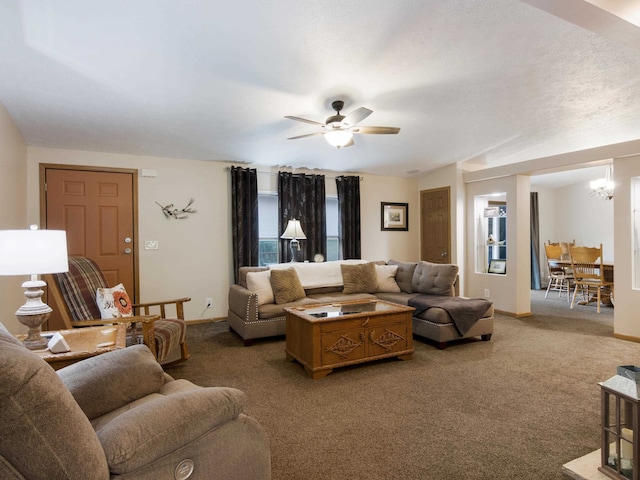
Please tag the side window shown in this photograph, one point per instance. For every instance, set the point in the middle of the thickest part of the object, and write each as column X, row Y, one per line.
column 333, row 240
column 268, row 228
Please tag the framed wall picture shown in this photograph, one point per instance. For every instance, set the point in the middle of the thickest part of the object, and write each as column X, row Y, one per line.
column 394, row 216
column 497, row 266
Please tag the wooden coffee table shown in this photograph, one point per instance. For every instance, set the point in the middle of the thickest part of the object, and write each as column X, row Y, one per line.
column 324, row 337
column 84, row 343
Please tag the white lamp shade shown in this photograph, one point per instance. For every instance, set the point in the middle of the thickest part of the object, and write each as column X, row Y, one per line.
column 32, row 252
column 338, row 138
column 293, row 230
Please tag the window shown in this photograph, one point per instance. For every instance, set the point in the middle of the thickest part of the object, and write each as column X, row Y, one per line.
column 333, row 219
column 268, row 229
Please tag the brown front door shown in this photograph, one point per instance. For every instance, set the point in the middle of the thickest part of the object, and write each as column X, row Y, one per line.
column 435, row 225
column 97, row 210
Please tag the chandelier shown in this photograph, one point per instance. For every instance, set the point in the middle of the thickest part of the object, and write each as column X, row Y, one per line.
column 603, row 187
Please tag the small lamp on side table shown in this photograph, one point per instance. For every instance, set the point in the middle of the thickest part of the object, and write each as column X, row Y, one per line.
column 294, row 232
column 33, row 252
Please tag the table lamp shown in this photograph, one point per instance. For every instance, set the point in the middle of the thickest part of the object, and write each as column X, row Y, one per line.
column 33, row 252
column 294, row 232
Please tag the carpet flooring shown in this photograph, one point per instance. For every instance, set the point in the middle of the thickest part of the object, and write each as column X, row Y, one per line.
column 517, row 407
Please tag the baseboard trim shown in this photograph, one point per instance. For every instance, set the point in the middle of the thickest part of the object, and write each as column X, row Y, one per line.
column 512, row 314
column 627, row 337
column 205, row 320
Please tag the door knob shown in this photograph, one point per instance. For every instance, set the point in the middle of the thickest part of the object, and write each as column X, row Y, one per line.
column 127, row 251
column 127, row 240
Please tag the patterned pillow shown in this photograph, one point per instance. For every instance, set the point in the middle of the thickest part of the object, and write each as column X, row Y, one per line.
column 360, row 278
column 286, row 286
column 114, row 302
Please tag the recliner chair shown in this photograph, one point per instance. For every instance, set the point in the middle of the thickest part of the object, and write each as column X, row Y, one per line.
column 119, row 416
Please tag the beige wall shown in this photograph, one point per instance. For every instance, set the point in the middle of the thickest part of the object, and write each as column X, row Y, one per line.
column 627, row 299
column 510, row 293
column 13, row 214
column 194, row 258
column 451, row 176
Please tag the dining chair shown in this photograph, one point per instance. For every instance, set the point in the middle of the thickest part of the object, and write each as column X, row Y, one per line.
column 74, row 293
column 559, row 278
column 565, row 249
column 588, row 272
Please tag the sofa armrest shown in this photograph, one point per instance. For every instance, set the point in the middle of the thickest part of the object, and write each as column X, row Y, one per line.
column 244, row 303
column 153, row 430
column 103, row 383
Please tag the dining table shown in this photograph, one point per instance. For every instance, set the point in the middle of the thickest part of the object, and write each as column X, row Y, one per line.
column 608, row 276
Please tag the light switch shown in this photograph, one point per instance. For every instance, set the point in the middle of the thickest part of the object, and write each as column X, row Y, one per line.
column 151, row 245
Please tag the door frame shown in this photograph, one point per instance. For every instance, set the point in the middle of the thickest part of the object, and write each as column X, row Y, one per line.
column 43, row 167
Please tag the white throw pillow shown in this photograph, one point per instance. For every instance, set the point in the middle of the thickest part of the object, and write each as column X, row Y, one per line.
column 114, row 302
column 260, row 283
column 387, row 278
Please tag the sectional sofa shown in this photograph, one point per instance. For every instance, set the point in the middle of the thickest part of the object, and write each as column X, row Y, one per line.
column 257, row 302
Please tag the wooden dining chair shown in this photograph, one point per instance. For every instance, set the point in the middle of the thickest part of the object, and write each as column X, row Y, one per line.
column 74, row 293
column 588, row 273
column 559, row 279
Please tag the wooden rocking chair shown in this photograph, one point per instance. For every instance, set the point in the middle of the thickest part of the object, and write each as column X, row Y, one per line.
column 74, row 293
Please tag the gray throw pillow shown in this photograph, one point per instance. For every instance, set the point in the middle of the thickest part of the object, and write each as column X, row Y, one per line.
column 434, row 278
column 359, row 278
column 286, row 286
column 404, row 275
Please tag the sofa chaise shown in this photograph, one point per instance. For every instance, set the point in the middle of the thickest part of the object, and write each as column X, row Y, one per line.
column 257, row 311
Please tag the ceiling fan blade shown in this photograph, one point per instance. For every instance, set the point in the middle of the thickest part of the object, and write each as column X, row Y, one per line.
column 298, row 119
column 375, row 130
column 357, row 115
column 305, row 135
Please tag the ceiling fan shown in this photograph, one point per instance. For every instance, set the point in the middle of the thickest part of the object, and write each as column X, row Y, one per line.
column 338, row 130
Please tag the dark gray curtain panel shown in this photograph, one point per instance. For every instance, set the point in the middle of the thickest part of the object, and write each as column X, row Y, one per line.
column 536, row 284
column 349, row 213
column 244, row 218
column 303, row 197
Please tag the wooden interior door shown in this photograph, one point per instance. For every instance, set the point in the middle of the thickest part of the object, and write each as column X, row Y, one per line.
column 435, row 225
column 97, row 210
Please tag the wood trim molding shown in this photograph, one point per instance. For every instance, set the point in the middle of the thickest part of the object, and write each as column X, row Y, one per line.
column 629, row 338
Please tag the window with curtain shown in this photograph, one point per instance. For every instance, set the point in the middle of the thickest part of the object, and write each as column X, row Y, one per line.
column 270, row 237
column 302, row 197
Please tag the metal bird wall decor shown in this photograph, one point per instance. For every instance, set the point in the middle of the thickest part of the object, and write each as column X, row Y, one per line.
column 171, row 212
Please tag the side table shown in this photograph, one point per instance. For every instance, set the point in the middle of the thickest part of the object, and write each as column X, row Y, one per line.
column 84, row 343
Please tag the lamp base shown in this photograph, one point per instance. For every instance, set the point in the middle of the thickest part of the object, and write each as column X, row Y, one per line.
column 295, row 248
column 34, row 340
column 33, row 314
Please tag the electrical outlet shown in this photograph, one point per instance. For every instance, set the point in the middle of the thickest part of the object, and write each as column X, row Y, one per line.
column 487, row 293
column 208, row 303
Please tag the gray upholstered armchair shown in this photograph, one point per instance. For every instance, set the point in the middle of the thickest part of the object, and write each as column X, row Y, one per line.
column 118, row 415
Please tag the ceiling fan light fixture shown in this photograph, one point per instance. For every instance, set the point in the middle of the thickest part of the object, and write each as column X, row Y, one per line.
column 338, row 138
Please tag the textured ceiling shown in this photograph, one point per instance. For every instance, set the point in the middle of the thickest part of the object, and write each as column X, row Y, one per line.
column 487, row 83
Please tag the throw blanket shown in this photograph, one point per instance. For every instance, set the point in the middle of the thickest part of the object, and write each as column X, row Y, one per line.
column 464, row 312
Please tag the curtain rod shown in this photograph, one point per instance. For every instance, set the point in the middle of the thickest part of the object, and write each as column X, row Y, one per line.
column 276, row 173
